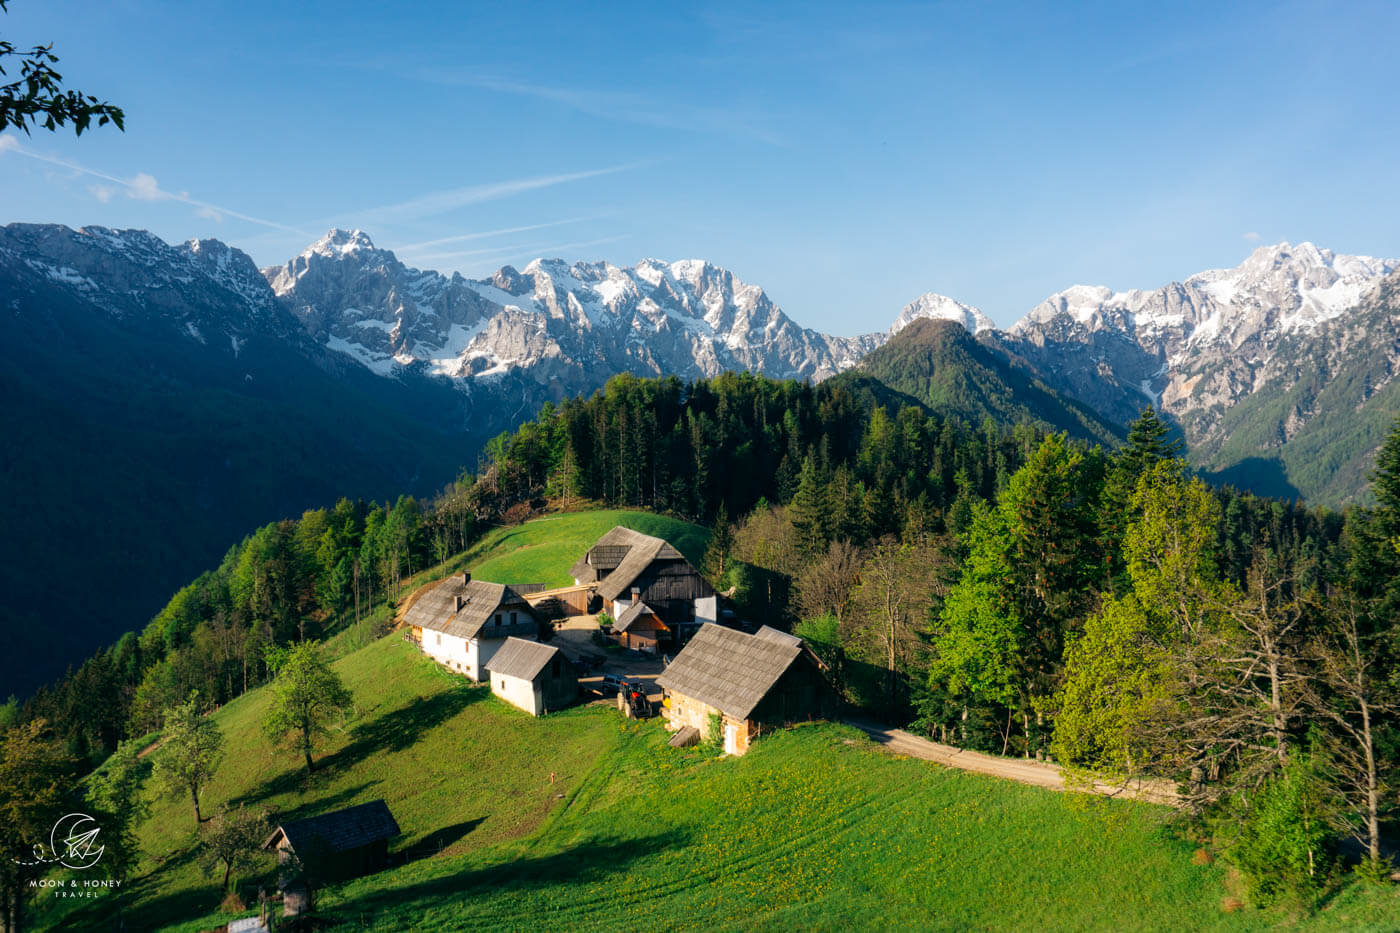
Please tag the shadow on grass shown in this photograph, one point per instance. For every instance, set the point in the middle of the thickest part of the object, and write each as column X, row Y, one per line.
column 321, row 805
column 438, row 840
column 391, row 732
column 586, row 862
column 133, row 906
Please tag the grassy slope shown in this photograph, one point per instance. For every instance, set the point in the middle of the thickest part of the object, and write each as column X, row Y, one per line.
column 812, row 829
column 542, row 551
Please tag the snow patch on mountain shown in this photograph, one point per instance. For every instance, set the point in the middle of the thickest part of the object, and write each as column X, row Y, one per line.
column 942, row 308
column 574, row 324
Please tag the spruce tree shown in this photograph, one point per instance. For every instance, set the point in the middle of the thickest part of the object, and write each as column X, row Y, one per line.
column 1147, row 446
column 1385, row 481
column 811, row 514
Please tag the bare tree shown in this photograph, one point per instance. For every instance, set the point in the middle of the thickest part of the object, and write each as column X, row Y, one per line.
column 827, row 584
column 894, row 602
column 1237, row 691
column 1351, row 692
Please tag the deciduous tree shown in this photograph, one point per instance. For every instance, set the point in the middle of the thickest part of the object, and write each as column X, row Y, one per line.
column 190, row 753
column 307, row 697
column 232, row 840
column 38, row 98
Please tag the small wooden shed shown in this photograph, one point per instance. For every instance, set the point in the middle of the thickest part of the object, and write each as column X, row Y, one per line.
column 340, row 844
column 535, row 677
column 640, row 628
column 748, row 681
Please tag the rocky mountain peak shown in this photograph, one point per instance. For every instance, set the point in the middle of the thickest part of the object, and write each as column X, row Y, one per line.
column 942, row 308
column 339, row 242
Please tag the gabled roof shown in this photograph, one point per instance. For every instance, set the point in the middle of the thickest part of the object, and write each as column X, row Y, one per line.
column 521, row 658
column 728, row 669
column 339, row 830
column 782, row 638
column 436, row 610
column 632, row 613
column 627, row 553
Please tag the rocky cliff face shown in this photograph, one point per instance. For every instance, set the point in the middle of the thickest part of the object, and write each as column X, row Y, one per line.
column 1202, row 347
column 566, row 325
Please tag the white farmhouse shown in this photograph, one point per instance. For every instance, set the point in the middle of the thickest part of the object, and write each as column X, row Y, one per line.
column 462, row 623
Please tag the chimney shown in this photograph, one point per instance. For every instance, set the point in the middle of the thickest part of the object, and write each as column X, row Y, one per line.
column 466, row 576
column 461, row 601
column 636, row 593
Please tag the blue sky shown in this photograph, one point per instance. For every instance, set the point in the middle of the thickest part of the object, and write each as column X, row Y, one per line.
column 846, row 159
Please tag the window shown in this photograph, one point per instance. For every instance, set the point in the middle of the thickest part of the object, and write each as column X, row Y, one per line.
column 513, row 617
column 498, row 618
column 555, row 668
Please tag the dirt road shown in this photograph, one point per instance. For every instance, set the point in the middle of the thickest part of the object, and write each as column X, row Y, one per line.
column 1038, row 773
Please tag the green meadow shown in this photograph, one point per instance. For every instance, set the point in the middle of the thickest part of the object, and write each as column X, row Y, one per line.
column 583, row 820
column 543, row 550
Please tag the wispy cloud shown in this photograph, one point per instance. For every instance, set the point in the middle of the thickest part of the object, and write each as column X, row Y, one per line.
column 1252, row 237
column 519, row 252
column 622, row 106
column 485, row 234
column 440, row 202
column 140, row 187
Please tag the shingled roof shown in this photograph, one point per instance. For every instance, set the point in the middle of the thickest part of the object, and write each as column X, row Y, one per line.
column 521, row 658
column 436, row 609
column 627, row 553
column 339, row 830
column 631, row 614
column 728, row 669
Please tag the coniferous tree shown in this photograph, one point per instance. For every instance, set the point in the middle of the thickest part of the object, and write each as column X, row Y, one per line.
column 811, row 512
column 1148, row 444
column 716, row 560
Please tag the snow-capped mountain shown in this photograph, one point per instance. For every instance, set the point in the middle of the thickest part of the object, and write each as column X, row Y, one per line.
column 1199, row 347
column 942, row 308
column 568, row 325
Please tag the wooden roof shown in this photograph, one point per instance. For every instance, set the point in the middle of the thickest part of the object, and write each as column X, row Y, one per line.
column 521, row 658
column 436, row 610
column 627, row 553
column 339, row 830
column 728, row 669
column 632, row 613
column 782, row 638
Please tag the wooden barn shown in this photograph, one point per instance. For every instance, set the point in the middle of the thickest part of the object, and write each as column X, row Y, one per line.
column 462, row 622
column 340, row 844
column 629, row 567
column 535, row 677
column 640, row 628
column 752, row 682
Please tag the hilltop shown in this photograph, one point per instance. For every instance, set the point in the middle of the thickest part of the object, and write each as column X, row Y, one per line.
column 943, row 367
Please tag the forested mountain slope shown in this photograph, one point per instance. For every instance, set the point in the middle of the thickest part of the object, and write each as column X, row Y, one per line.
column 157, row 408
column 1274, row 370
column 941, row 365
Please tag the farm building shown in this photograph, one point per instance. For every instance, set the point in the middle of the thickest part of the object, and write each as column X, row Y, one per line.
column 640, row 628
column 629, row 566
column 535, row 677
column 340, row 844
column 751, row 682
column 462, row 622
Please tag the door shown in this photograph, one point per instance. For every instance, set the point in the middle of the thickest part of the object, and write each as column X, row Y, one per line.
column 731, row 738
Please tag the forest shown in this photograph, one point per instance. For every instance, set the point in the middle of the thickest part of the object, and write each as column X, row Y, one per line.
column 998, row 588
